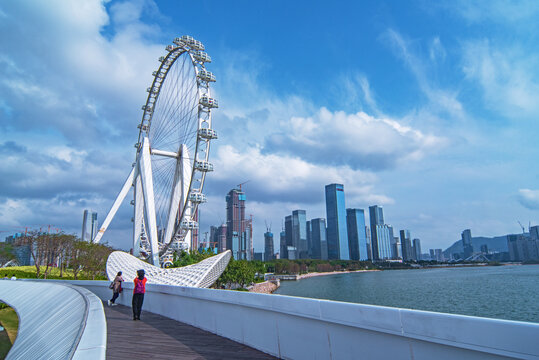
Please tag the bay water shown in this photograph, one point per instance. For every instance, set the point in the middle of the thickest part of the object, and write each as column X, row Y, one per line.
column 504, row 292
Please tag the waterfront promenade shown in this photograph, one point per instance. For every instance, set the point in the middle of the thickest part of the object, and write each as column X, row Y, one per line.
column 158, row 337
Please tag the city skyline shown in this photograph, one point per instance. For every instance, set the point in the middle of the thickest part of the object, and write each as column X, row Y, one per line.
column 425, row 109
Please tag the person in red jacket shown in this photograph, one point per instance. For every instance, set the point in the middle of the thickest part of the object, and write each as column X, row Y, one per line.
column 138, row 294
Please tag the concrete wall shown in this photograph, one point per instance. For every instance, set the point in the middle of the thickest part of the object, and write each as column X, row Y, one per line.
column 300, row 328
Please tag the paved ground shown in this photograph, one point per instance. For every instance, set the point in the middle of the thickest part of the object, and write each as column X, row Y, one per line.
column 158, row 337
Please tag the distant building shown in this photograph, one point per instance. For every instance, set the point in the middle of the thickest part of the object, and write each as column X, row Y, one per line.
column 438, row 255
column 288, row 229
column 522, row 247
column 369, row 246
column 467, row 243
column 484, row 249
column 357, row 239
column 292, row 253
column 89, row 225
column 396, row 248
column 309, row 240
column 417, row 249
column 268, row 246
column 22, row 253
column 383, row 240
column 299, row 233
column 406, row 246
column 376, row 218
column 283, row 253
column 221, row 238
column 258, row 256
column 337, row 234
column 319, row 239
column 235, row 223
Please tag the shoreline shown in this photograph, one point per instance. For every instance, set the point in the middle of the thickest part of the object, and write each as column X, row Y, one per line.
column 315, row 274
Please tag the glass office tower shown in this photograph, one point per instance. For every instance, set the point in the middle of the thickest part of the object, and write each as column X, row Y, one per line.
column 376, row 217
column 299, row 233
column 337, row 234
column 319, row 239
column 357, row 238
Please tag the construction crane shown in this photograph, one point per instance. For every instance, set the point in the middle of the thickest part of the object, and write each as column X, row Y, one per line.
column 245, row 182
column 523, row 230
column 268, row 228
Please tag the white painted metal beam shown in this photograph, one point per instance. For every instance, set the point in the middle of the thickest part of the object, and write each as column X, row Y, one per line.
column 145, row 168
column 164, row 153
column 119, row 199
column 138, row 212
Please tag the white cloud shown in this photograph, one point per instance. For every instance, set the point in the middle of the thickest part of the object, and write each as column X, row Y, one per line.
column 529, row 198
column 499, row 11
column 441, row 100
column 505, row 76
column 358, row 140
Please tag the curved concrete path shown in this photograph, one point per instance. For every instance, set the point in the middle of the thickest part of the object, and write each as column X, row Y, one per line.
column 56, row 321
column 158, row 337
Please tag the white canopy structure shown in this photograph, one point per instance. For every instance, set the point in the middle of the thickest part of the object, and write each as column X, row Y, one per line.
column 202, row 274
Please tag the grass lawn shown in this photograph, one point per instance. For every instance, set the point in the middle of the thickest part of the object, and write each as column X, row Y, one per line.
column 29, row 272
column 10, row 321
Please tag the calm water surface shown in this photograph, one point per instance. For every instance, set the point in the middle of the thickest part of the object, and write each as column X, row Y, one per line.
column 504, row 292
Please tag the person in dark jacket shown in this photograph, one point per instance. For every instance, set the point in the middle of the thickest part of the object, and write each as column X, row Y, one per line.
column 138, row 294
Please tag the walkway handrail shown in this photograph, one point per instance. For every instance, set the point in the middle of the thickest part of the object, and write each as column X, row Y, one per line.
column 56, row 321
column 301, row 328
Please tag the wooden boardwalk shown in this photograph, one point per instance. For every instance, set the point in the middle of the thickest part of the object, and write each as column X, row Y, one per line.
column 158, row 337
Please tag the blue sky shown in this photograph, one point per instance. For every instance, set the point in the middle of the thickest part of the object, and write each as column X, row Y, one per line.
column 429, row 110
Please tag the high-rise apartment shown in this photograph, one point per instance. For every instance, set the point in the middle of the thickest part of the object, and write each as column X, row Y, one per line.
column 337, row 235
column 319, row 239
column 357, row 238
column 376, row 218
column 235, row 223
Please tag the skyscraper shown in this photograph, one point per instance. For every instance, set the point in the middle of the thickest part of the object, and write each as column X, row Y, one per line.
column 283, row 253
column 406, row 245
column 319, row 239
column 299, row 233
column 376, row 218
column 417, row 249
column 268, row 245
column 309, row 241
column 357, row 239
column 235, row 222
column 384, row 238
column 467, row 243
column 290, row 248
column 337, row 235
column 89, row 225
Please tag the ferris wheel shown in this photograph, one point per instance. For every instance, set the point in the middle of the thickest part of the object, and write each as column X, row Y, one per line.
column 172, row 152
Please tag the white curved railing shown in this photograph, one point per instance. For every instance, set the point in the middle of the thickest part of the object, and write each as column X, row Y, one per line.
column 301, row 328
column 56, row 321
